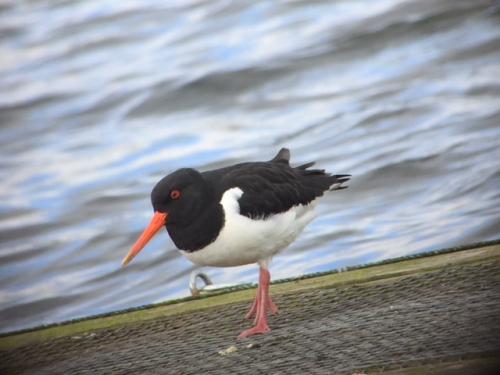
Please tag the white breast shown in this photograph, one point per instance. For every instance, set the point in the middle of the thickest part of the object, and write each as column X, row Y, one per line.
column 243, row 240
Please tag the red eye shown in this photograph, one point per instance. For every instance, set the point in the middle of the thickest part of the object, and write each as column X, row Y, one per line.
column 175, row 194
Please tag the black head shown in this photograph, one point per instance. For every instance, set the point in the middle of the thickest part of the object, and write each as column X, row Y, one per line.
column 178, row 199
column 181, row 195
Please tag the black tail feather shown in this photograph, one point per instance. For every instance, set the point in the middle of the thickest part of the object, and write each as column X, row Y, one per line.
column 316, row 179
column 283, row 156
column 338, row 180
column 306, row 165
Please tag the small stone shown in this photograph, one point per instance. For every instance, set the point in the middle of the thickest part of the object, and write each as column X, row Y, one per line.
column 229, row 350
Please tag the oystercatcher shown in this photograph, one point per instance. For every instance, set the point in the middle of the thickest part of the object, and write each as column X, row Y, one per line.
column 241, row 214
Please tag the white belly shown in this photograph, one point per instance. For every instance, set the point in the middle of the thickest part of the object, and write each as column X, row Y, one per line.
column 244, row 241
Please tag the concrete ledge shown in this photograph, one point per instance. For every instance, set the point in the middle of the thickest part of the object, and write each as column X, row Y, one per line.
column 477, row 366
column 377, row 273
column 428, row 314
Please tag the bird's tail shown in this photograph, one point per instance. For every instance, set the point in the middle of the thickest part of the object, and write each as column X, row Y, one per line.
column 323, row 178
column 338, row 181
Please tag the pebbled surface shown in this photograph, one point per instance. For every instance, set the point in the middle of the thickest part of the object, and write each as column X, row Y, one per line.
column 451, row 313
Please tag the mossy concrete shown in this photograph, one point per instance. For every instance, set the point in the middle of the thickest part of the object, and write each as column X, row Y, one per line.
column 410, row 317
column 380, row 273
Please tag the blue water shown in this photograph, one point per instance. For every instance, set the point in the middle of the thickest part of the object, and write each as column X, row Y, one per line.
column 100, row 99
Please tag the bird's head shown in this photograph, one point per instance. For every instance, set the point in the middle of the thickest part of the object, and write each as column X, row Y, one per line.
column 177, row 200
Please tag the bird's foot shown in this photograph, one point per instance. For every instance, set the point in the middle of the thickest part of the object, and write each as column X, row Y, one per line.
column 259, row 328
column 261, row 305
column 270, row 306
column 253, row 309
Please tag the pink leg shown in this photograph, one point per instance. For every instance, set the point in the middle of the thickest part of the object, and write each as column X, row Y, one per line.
column 253, row 308
column 260, row 306
column 269, row 302
column 271, row 305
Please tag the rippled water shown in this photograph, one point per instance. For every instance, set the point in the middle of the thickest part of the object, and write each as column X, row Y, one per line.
column 100, row 99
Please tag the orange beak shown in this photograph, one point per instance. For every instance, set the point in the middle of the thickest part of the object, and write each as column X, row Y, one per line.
column 157, row 222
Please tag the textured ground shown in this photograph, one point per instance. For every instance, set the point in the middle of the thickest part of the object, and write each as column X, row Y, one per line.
column 446, row 314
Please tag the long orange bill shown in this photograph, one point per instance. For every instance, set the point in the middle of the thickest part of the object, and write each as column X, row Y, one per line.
column 157, row 222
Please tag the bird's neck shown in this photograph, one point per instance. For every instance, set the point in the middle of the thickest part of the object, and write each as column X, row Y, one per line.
column 201, row 231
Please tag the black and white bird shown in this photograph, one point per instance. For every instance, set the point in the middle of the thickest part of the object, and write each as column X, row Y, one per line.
column 241, row 214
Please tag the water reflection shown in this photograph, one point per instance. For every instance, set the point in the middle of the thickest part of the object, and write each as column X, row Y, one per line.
column 107, row 97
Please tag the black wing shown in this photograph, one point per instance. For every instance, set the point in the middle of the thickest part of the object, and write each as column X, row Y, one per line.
column 274, row 187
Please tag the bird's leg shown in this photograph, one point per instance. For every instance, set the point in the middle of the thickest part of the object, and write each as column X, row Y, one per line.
column 260, row 306
column 270, row 305
column 253, row 308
